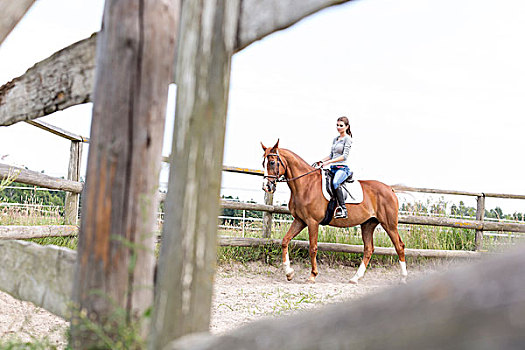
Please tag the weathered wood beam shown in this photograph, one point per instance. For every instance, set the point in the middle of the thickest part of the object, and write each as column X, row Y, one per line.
column 399, row 188
column 505, row 195
column 261, row 18
column 232, row 169
column 29, row 177
column 27, row 232
column 189, row 241
column 10, row 13
column 347, row 248
column 480, row 306
column 63, row 80
column 459, row 223
column 254, row 206
column 66, row 78
column 40, row 274
column 58, row 131
column 135, row 54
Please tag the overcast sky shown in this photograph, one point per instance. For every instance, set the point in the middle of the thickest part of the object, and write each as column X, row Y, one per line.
column 434, row 91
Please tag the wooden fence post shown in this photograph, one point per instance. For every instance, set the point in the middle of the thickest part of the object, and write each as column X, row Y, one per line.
column 10, row 13
column 115, row 264
column 73, row 174
column 267, row 216
column 480, row 214
column 188, row 253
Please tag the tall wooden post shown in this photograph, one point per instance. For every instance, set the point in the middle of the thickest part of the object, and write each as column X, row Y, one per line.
column 480, row 214
column 10, row 13
column 189, row 240
column 73, row 174
column 115, row 264
column 267, row 216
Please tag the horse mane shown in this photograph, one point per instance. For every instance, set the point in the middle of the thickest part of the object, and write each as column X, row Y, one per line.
column 297, row 157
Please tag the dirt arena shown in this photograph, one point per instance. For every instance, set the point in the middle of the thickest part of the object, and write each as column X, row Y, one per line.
column 243, row 293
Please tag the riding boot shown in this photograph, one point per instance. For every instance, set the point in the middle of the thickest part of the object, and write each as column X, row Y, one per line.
column 340, row 212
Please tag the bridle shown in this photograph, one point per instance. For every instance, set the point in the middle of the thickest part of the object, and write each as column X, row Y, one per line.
column 283, row 178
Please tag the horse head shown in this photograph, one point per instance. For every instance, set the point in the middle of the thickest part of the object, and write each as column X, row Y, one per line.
column 273, row 166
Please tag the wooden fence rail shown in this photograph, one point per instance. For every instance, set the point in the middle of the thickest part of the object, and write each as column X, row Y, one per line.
column 38, row 179
column 29, row 177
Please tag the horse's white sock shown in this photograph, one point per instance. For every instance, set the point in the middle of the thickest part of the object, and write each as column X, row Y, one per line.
column 286, row 265
column 360, row 273
column 404, row 272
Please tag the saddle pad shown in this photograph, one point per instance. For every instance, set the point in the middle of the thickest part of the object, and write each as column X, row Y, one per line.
column 354, row 191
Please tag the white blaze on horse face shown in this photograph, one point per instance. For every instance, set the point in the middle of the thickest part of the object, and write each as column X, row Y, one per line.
column 404, row 272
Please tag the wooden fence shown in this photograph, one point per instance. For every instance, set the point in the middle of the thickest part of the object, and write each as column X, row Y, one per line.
column 268, row 209
column 131, row 88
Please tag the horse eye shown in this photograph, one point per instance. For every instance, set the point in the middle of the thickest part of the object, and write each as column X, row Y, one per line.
column 272, row 162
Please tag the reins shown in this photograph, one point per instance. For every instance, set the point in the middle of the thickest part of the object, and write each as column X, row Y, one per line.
column 297, row 177
column 283, row 178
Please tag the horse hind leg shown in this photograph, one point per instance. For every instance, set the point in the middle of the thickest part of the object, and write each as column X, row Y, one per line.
column 367, row 233
column 393, row 233
column 296, row 227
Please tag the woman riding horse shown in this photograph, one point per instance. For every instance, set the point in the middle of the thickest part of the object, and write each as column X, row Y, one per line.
column 339, row 159
column 308, row 206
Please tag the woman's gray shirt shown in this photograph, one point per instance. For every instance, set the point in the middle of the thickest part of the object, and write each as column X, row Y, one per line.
column 341, row 148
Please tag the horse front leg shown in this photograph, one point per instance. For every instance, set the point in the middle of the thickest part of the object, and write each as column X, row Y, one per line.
column 296, row 227
column 313, row 232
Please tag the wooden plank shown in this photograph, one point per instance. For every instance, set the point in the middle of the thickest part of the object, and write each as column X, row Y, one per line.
column 453, row 310
column 254, row 206
column 505, row 195
column 459, row 223
column 10, row 13
column 42, row 275
column 135, row 53
column 398, row 188
column 63, row 80
column 348, row 248
column 189, row 241
column 29, row 177
column 261, row 18
column 73, row 174
column 27, row 232
column 58, row 131
column 232, row 169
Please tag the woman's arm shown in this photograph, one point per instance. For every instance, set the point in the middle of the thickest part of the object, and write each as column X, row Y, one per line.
column 335, row 160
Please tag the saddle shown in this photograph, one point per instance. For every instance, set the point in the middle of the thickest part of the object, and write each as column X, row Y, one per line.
column 352, row 191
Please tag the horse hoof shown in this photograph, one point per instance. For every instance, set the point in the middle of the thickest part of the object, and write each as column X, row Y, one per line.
column 354, row 281
column 289, row 275
column 311, row 279
column 404, row 280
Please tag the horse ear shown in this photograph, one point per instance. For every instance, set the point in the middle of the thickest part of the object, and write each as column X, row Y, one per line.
column 264, row 147
column 276, row 145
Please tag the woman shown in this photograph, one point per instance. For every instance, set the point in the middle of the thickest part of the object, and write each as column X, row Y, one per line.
column 338, row 160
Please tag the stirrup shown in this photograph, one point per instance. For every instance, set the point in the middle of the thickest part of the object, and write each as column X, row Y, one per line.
column 340, row 213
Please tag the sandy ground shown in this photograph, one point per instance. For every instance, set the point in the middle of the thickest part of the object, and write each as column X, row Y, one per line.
column 243, row 293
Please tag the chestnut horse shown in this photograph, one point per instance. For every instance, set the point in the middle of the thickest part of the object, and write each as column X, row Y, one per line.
column 308, row 206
